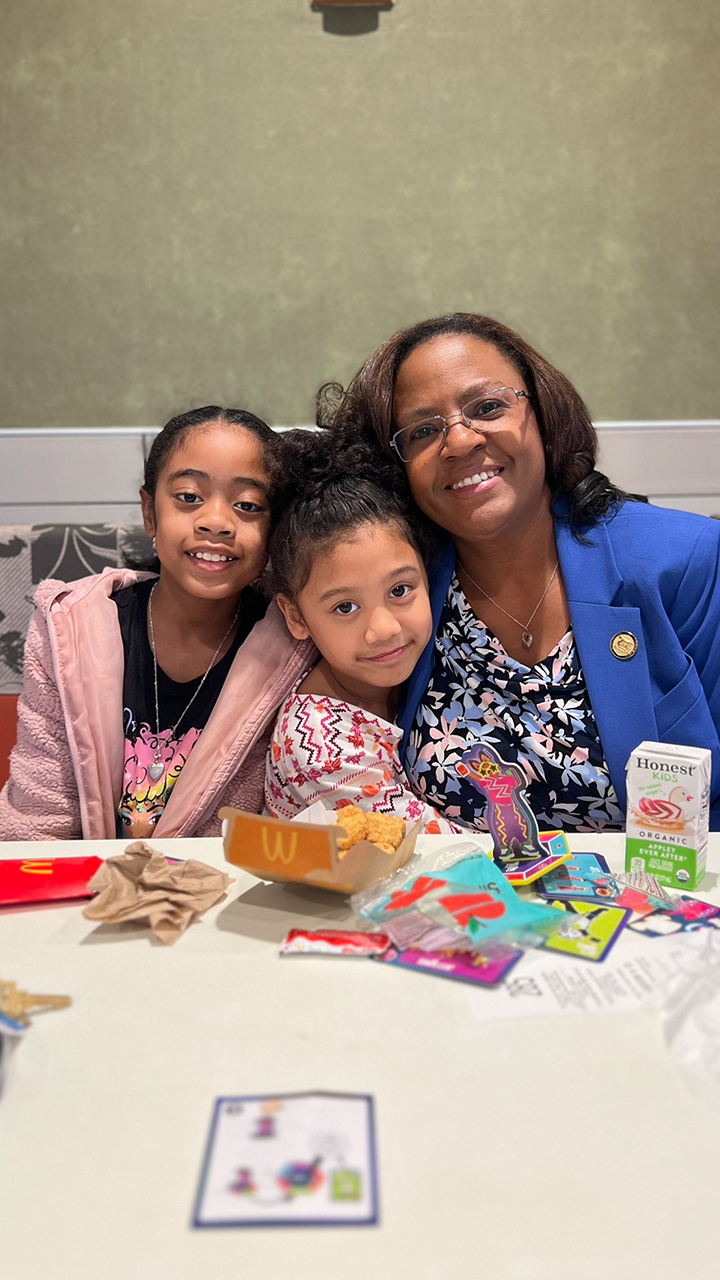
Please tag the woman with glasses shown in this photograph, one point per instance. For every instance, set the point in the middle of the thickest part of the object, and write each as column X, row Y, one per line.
column 571, row 621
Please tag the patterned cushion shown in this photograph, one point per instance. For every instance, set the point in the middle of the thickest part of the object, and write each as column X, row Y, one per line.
column 29, row 553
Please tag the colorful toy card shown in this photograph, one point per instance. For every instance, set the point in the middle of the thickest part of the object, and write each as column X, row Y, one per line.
column 303, row 1159
column 589, row 930
column 586, row 878
column 465, row 966
column 685, row 915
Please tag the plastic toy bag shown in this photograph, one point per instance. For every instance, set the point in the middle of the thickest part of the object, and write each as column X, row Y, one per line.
column 413, row 930
column 470, row 897
column 364, row 901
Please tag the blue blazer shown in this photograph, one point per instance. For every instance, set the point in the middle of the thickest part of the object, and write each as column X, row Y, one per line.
column 655, row 573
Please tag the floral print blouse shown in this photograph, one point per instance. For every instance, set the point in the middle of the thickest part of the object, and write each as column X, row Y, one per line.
column 539, row 717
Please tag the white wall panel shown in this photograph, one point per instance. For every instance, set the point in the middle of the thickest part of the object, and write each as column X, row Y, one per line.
column 92, row 475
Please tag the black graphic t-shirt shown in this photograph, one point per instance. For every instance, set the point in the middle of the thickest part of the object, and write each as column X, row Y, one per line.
column 147, row 783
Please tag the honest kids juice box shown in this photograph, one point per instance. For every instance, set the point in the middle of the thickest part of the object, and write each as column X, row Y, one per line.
column 668, row 802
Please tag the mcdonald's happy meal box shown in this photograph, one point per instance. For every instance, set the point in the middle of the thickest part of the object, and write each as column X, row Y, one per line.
column 314, row 849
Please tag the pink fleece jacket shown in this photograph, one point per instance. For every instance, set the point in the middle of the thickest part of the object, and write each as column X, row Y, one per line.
column 66, row 769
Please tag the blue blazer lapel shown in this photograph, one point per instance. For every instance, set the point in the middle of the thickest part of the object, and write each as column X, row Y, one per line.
column 620, row 690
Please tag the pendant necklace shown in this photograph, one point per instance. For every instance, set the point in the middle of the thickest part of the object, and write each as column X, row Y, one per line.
column 157, row 768
column 527, row 635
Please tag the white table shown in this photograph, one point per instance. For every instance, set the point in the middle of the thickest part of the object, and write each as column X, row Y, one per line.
column 557, row 1147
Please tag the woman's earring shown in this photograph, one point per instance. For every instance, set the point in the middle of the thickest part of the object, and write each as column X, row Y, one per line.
column 154, row 542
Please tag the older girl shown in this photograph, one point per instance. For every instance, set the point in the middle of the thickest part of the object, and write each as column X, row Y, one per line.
column 148, row 699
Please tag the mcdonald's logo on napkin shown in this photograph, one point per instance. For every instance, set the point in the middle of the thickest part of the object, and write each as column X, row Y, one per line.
column 45, row 879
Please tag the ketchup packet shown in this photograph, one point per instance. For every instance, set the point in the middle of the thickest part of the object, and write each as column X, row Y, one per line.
column 333, row 942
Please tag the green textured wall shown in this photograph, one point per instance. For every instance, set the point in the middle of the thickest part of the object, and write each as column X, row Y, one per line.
column 220, row 200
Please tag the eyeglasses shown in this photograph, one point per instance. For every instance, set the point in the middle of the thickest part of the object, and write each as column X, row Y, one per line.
column 494, row 408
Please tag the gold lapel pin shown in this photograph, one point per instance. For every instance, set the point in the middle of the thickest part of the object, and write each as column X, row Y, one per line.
column 624, row 645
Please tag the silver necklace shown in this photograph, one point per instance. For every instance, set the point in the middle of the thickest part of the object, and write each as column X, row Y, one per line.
column 527, row 635
column 157, row 768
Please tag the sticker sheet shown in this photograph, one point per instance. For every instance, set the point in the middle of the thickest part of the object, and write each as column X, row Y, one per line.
column 464, row 966
column 590, row 930
column 305, row 1159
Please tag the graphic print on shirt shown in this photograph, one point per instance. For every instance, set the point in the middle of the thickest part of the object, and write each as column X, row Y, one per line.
column 143, row 801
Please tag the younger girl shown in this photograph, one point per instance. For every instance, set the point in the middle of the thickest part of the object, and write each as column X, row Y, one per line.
column 349, row 574
column 147, row 698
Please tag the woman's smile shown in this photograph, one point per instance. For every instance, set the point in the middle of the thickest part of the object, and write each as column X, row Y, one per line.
column 476, row 483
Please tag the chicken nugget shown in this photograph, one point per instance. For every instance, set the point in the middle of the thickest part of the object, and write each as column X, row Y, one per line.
column 385, row 829
column 355, row 822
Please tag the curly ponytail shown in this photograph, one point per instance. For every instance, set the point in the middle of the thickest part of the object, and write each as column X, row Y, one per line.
column 327, row 493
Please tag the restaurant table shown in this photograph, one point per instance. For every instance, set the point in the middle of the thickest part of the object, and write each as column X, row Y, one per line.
column 563, row 1146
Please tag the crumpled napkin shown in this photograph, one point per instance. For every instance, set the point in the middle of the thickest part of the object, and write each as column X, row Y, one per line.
column 140, row 884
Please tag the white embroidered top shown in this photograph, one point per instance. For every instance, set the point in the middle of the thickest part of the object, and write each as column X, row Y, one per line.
column 323, row 748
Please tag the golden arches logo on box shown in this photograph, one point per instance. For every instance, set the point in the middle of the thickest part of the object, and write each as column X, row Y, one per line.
column 37, row 867
column 279, row 852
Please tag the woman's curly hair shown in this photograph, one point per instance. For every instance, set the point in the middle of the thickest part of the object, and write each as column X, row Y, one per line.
column 364, row 411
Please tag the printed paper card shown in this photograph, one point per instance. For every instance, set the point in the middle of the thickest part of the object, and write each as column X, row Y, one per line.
column 464, row 966
column 684, row 916
column 590, row 931
column 305, row 1159
column 585, row 878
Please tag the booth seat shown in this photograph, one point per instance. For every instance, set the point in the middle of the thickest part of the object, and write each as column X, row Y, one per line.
column 29, row 553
